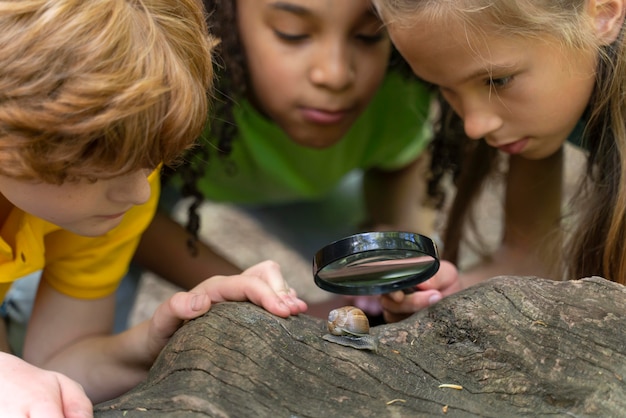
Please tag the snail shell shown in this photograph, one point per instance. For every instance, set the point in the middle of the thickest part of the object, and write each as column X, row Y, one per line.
column 350, row 327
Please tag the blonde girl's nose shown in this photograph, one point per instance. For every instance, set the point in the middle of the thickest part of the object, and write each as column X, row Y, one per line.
column 480, row 123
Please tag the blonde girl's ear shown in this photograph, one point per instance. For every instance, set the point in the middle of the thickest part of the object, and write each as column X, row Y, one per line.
column 608, row 18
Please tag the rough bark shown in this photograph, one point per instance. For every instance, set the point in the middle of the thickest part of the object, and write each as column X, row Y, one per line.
column 513, row 345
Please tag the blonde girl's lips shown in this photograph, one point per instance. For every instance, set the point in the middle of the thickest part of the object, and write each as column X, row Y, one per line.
column 323, row 117
column 514, row 147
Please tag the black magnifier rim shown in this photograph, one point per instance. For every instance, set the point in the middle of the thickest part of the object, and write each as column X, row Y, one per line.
column 375, row 241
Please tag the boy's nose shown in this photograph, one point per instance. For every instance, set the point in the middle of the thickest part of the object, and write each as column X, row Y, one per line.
column 133, row 188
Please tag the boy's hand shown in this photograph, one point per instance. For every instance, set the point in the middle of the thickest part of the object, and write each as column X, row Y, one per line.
column 398, row 305
column 28, row 391
column 261, row 284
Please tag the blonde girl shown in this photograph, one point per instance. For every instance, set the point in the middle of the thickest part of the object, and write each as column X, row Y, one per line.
column 519, row 79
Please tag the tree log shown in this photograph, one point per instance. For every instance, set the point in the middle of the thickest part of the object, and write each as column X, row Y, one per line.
column 510, row 346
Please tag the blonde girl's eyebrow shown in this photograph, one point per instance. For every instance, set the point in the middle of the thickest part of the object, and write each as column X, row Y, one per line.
column 489, row 71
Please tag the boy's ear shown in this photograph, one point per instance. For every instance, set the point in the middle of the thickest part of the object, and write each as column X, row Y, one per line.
column 608, row 17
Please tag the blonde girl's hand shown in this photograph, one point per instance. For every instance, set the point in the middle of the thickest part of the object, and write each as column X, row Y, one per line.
column 398, row 305
column 261, row 284
column 28, row 391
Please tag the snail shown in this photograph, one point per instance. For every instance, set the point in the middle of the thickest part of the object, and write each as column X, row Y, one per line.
column 349, row 326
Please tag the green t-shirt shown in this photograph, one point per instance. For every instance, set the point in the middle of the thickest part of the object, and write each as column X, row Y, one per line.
column 271, row 168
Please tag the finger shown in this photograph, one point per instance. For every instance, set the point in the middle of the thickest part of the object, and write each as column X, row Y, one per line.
column 263, row 290
column 277, row 293
column 262, row 284
column 70, row 401
column 397, row 296
column 421, row 300
column 76, row 404
column 269, row 271
column 275, row 296
column 445, row 280
column 411, row 303
column 182, row 306
column 295, row 304
column 40, row 409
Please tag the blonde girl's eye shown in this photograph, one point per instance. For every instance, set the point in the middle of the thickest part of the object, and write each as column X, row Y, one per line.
column 499, row 82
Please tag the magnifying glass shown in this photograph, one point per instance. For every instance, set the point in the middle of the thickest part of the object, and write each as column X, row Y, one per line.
column 373, row 263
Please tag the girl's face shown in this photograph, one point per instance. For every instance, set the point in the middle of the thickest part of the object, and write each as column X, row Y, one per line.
column 314, row 65
column 524, row 96
column 84, row 208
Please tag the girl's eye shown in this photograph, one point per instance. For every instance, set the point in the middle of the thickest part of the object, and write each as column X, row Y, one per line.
column 289, row 37
column 499, row 82
column 371, row 39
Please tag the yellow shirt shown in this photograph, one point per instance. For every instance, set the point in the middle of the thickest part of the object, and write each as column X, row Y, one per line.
column 81, row 267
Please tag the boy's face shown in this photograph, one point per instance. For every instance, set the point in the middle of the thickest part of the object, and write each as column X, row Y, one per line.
column 524, row 96
column 314, row 65
column 84, row 208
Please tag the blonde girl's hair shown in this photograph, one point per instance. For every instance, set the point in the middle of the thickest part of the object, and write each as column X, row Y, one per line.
column 596, row 246
column 99, row 88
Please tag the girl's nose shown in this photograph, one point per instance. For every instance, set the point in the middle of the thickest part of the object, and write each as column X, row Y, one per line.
column 133, row 188
column 333, row 68
column 480, row 123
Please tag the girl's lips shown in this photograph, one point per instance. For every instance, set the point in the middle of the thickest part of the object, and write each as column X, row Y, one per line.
column 514, row 147
column 323, row 117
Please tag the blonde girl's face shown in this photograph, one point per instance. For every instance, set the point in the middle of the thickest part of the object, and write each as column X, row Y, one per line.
column 523, row 96
column 314, row 65
column 85, row 208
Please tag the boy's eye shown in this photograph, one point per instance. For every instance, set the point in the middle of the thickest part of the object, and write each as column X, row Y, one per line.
column 290, row 37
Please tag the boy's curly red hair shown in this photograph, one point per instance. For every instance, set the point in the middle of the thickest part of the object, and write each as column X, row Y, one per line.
column 100, row 88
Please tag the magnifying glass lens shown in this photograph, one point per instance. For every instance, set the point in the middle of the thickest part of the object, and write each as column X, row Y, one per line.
column 375, row 263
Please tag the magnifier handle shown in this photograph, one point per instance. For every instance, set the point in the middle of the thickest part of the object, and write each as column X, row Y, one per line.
column 409, row 290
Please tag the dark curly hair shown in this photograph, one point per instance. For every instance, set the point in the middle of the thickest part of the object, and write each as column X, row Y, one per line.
column 469, row 163
column 231, row 83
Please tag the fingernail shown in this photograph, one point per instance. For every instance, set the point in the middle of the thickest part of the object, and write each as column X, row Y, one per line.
column 434, row 299
column 197, row 302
